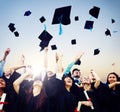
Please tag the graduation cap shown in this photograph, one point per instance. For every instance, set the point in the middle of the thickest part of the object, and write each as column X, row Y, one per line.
column 76, row 18
column 112, row 20
column 54, row 47
column 11, row 27
column 45, row 38
column 16, row 34
column 27, row 13
column 78, row 62
column 94, row 11
column 73, row 42
column 107, row 32
column 96, row 51
column 89, row 25
column 62, row 15
column 42, row 19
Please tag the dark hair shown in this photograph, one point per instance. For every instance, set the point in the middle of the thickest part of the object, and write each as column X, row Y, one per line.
column 67, row 75
column 75, row 69
column 118, row 78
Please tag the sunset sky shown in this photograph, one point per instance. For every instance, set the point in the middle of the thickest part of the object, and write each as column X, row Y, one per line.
column 30, row 27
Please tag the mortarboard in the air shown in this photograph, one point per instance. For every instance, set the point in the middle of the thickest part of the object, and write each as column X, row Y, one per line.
column 16, row 34
column 96, row 51
column 62, row 15
column 45, row 38
column 76, row 18
column 42, row 19
column 11, row 27
column 94, row 11
column 107, row 32
column 73, row 42
column 27, row 13
column 112, row 20
column 54, row 47
column 89, row 25
column 78, row 62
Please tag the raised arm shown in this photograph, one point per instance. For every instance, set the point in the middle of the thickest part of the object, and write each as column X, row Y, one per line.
column 112, row 85
column 78, row 57
column 59, row 67
column 7, row 51
column 17, row 82
column 95, row 78
column 46, row 57
column 2, row 62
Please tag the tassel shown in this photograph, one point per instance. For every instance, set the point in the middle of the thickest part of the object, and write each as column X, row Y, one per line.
column 45, row 27
column 60, row 26
column 60, row 29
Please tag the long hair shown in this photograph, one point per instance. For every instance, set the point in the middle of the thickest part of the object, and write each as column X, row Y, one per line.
column 118, row 78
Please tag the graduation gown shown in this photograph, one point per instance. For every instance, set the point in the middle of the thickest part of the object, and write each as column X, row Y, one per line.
column 11, row 96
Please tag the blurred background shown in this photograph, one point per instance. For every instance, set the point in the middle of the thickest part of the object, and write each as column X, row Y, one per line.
column 30, row 27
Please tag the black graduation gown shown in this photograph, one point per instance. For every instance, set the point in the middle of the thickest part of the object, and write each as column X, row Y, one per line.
column 103, row 98
column 55, row 91
column 30, row 103
column 70, row 102
column 60, row 99
column 79, row 93
column 11, row 97
column 114, row 100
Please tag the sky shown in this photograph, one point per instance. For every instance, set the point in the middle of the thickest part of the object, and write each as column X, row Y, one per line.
column 30, row 27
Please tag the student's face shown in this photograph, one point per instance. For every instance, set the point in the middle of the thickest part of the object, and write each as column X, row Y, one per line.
column 68, row 81
column 76, row 74
column 2, row 83
column 112, row 78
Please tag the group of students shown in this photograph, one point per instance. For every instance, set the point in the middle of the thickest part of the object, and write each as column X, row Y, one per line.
column 63, row 91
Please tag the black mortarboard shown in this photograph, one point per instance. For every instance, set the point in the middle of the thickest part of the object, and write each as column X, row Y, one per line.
column 94, row 11
column 11, row 27
column 89, row 25
column 62, row 15
column 107, row 32
column 27, row 13
column 42, row 19
column 16, row 34
column 96, row 51
column 112, row 20
column 73, row 41
column 78, row 62
column 45, row 38
column 76, row 18
column 54, row 47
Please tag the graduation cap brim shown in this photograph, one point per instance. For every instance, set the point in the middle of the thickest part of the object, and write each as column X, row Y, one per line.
column 16, row 34
column 73, row 42
column 89, row 25
column 45, row 38
column 96, row 51
column 94, row 11
column 27, row 13
column 112, row 20
column 53, row 47
column 42, row 19
column 76, row 18
column 107, row 32
column 11, row 27
column 62, row 15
